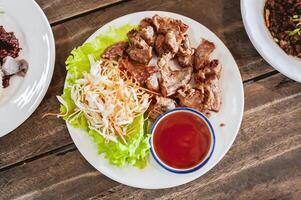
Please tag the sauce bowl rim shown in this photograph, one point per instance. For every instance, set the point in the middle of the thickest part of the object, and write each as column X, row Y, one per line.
column 209, row 153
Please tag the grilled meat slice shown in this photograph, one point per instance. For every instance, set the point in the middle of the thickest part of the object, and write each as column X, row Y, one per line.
column 186, row 61
column 173, row 40
column 142, row 56
column 152, row 83
column 202, row 54
column 146, row 22
column 115, row 51
column 136, row 40
column 170, row 42
column 148, row 34
column 191, row 97
column 164, row 24
column 172, row 80
column 212, row 95
column 162, row 105
column 159, row 45
column 139, row 50
column 207, row 80
column 211, row 71
column 185, row 55
column 139, row 72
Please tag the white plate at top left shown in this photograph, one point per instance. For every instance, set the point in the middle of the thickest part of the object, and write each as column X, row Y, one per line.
column 29, row 24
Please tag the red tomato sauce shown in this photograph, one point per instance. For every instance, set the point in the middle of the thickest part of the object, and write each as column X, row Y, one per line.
column 182, row 140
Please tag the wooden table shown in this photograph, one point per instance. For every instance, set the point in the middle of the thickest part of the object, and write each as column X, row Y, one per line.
column 38, row 160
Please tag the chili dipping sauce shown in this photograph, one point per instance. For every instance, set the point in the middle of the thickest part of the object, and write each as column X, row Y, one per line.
column 182, row 140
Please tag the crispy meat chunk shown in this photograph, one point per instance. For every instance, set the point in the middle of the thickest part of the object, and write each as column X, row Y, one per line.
column 172, row 80
column 152, row 83
column 136, row 40
column 159, row 45
column 162, row 105
column 202, row 54
column 207, row 80
column 185, row 55
column 146, row 22
column 148, row 34
column 139, row 50
column 207, row 94
column 173, row 40
column 209, row 72
column 142, row 56
column 164, row 24
column 212, row 93
column 115, row 51
column 139, row 72
column 168, row 43
column 191, row 97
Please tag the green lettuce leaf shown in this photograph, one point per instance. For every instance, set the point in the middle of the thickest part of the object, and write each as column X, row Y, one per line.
column 136, row 150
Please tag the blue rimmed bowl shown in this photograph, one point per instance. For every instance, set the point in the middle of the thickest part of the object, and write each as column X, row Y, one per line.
column 203, row 161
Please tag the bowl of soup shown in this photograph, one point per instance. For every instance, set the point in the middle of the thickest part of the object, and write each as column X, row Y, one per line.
column 182, row 140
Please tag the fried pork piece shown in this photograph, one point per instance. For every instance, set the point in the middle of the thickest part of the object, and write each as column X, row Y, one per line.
column 207, row 81
column 159, row 45
column 168, row 43
column 164, row 24
column 162, row 105
column 173, row 40
column 146, row 22
column 172, row 80
column 139, row 50
column 202, row 54
column 139, row 72
column 185, row 55
column 148, row 34
column 136, row 40
column 212, row 95
column 203, row 98
column 115, row 51
column 210, row 71
column 152, row 83
column 142, row 56
column 191, row 97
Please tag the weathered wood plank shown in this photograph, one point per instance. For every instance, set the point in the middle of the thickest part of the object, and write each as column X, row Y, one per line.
column 266, row 153
column 48, row 178
column 37, row 136
column 60, row 10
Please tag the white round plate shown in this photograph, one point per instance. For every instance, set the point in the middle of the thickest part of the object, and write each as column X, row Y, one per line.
column 252, row 15
column 31, row 27
column 154, row 176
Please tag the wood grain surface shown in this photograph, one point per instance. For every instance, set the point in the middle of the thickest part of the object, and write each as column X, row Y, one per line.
column 38, row 160
column 61, row 10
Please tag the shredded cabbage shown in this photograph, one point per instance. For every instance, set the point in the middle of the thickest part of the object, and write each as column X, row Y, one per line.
column 134, row 149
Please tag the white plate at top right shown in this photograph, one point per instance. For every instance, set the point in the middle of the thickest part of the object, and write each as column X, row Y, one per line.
column 252, row 15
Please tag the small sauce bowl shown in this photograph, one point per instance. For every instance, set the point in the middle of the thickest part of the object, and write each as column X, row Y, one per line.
column 182, row 140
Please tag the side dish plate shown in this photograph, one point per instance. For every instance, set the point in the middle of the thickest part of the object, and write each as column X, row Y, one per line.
column 154, row 176
column 253, row 19
column 26, row 19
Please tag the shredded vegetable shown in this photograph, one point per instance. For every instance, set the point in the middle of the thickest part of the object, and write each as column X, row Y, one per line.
column 109, row 99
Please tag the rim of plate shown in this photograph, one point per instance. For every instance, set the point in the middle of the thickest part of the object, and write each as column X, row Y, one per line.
column 263, row 42
column 24, row 104
column 73, row 131
column 209, row 153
